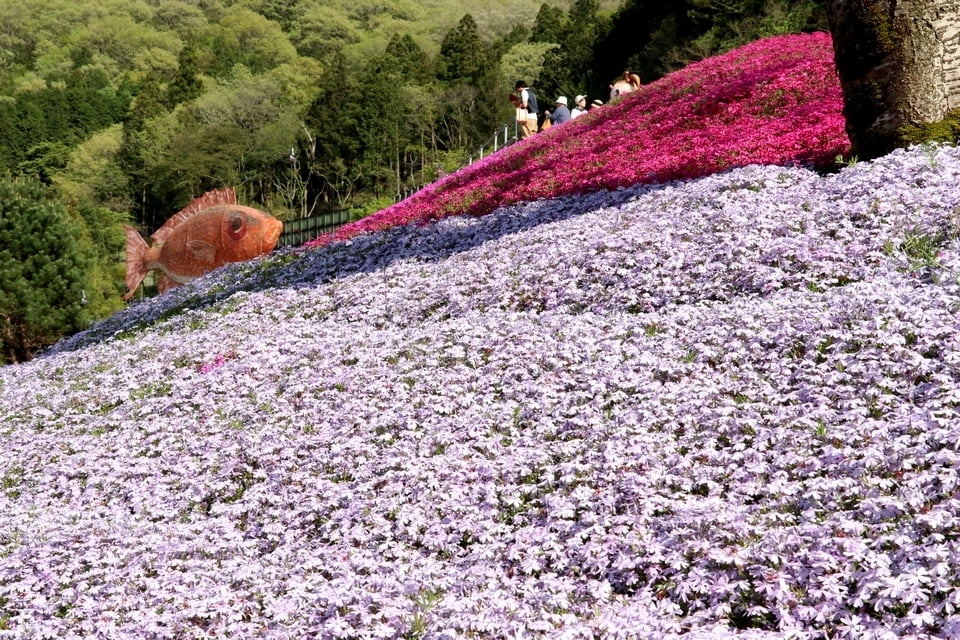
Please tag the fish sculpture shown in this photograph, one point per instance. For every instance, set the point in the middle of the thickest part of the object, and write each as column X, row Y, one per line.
column 206, row 234
column 629, row 83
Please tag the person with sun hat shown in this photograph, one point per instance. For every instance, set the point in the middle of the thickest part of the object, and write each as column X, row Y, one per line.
column 560, row 112
column 579, row 106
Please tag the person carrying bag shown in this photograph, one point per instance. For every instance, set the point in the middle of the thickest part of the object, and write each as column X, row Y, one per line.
column 525, row 100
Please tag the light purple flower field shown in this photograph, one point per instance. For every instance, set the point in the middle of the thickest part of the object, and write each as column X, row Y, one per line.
column 716, row 408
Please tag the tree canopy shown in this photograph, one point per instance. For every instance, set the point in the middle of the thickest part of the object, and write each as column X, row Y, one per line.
column 44, row 265
column 214, row 93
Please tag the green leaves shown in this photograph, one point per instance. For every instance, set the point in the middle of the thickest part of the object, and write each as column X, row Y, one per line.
column 44, row 267
column 463, row 54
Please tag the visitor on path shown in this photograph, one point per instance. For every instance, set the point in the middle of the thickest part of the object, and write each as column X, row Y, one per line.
column 525, row 101
column 579, row 107
column 560, row 112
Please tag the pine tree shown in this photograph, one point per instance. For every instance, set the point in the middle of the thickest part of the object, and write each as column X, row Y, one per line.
column 334, row 119
column 405, row 58
column 463, row 55
column 187, row 84
column 44, row 267
column 548, row 25
column 569, row 68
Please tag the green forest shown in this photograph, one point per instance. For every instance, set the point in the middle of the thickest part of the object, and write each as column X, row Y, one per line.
column 120, row 111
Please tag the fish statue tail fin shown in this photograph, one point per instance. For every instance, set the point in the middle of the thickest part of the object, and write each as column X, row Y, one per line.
column 136, row 264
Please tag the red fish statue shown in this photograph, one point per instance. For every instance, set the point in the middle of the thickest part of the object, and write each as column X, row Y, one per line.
column 629, row 83
column 209, row 232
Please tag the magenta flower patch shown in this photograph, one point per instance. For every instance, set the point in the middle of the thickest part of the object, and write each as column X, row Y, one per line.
column 776, row 101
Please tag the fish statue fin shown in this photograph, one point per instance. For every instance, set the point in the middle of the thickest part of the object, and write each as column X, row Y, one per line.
column 202, row 250
column 212, row 198
column 135, row 264
column 165, row 283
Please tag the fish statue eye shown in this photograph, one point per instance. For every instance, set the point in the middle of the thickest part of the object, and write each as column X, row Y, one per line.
column 236, row 227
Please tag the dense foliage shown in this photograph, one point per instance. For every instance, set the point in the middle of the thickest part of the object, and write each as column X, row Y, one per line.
column 372, row 97
column 653, row 38
column 723, row 406
column 45, row 262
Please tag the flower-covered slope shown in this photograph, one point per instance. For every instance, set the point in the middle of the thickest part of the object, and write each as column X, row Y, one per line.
column 775, row 101
column 713, row 408
column 720, row 407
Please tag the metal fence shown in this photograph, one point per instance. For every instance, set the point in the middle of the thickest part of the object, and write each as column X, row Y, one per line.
column 296, row 232
column 497, row 141
column 500, row 138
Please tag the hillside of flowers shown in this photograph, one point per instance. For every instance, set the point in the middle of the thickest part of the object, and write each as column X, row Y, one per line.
column 775, row 101
column 722, row 406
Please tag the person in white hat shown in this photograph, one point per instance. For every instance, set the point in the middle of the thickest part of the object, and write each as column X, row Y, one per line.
column 579, row 107
column 560, row 113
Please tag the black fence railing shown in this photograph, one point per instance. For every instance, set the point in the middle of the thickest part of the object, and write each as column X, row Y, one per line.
column 296, row 232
